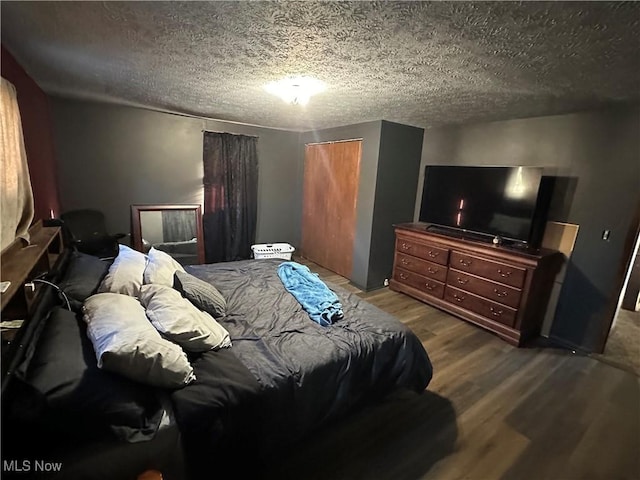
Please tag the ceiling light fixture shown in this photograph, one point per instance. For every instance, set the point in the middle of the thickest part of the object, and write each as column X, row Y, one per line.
column 295, row 90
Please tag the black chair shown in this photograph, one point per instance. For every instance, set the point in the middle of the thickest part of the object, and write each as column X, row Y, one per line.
column 88, row 234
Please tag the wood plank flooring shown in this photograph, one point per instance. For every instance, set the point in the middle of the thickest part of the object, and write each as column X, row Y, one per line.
column 492, row 411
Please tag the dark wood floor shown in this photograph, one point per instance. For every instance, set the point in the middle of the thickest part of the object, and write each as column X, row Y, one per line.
column 492, row 411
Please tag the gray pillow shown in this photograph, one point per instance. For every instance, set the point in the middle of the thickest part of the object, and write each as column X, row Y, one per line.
column 160, row 268
column 125, row 273
column 125, row 342
column 181, row 322
column 83, row 276
column 202, row 294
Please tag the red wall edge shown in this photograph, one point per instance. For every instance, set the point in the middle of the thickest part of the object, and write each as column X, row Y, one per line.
column 38, row 137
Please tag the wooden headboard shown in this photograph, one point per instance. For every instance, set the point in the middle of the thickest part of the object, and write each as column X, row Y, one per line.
column 20, row 264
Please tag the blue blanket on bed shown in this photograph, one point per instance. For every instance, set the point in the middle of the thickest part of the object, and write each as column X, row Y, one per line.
column 314, row 296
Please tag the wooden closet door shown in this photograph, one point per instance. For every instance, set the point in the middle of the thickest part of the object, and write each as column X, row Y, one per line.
column 331, row 177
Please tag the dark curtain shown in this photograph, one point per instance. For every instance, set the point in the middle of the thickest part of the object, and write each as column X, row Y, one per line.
column 178, row 225
column 230, row 196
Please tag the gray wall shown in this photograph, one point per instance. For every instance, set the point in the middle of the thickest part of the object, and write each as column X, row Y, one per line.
column 110, row 157
column 598, row 155
column 397, row 182
column 370, row 134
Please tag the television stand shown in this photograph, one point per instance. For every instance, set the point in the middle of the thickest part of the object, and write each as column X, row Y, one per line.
column 500, row 288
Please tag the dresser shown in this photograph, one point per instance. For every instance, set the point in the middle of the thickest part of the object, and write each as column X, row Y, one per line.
column 502, row 289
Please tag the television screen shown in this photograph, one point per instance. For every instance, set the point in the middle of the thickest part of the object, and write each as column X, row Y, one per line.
column 497, row 201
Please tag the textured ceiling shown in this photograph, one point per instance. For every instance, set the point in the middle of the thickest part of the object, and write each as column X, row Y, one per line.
column 417, row 63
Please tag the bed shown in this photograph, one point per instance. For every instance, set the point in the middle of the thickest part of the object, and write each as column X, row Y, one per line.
column 283, row 377
column 297, row 374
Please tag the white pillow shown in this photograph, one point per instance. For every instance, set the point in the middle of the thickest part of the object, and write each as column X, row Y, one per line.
column 178, row 320
column 126, row 343
column 125, row 274
column 160, row 268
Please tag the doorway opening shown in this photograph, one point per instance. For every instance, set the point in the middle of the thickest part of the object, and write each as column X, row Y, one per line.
column 622, row 347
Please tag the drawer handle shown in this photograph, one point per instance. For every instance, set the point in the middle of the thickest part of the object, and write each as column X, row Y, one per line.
column 464, row 262
column 404, row 276
column 504, row 274
column 406, row 246
column 458, row 297
column 433, row 254
column 500, row 293
column 462, row 281
column 428, row 286
column 495, row 313
column 405, row 261
column 432, row 270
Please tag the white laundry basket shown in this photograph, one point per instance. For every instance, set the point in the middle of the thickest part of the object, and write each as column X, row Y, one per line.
column 272, row 250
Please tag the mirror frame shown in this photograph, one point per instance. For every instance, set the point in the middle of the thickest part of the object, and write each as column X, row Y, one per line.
column 136, row 227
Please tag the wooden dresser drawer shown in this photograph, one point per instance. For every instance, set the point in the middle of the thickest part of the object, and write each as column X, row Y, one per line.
column 424, row 284
column 500, row 272
column 485, row 288
column 421, row 250
column 423, row 267
column 501, row 289
column 486, row 308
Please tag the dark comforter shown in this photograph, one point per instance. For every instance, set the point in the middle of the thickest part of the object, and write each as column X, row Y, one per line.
column 286, row 374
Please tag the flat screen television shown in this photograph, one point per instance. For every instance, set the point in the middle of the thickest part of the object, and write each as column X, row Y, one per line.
column 509, row 203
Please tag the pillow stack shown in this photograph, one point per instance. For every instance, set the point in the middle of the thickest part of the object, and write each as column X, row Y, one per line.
column 140, row 326
column 126, row 343
column 178, row 320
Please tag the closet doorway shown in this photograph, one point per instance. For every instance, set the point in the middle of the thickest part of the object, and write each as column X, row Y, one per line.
column 331, row 178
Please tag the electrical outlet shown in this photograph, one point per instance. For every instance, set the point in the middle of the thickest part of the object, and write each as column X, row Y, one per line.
column 386, row 282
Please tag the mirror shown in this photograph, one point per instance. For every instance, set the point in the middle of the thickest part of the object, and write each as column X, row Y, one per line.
column 174, row 229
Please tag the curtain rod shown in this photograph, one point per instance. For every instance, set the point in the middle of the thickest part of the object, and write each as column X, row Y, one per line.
column 204, row 130
column 335, row 141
